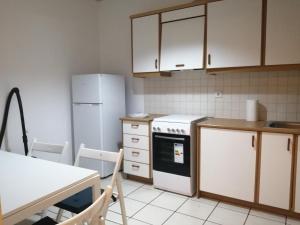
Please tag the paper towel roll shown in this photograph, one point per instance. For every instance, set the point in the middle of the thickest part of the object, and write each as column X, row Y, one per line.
column 251, row 111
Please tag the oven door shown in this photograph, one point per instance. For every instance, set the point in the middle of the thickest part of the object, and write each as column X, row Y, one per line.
column 171, row 154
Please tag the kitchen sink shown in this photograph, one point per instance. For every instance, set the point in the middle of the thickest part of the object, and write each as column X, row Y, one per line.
column 288, row 125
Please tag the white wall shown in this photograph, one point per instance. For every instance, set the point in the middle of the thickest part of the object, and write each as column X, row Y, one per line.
column 42, row 43
column 115, row 42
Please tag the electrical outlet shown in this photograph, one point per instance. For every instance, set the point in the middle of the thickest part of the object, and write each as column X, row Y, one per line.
column 219, row 94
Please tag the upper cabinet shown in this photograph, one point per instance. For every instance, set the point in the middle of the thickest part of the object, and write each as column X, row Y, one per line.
column 234, row 33
column 297, row 187
column 145, row 44
column 283, row 32
column 182, row 41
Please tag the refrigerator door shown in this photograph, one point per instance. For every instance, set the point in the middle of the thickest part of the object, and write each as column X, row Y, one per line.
column 87, row 88
column 88, row 130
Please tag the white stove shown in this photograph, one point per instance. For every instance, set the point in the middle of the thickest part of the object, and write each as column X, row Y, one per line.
column 174, row 153
column 175, row 124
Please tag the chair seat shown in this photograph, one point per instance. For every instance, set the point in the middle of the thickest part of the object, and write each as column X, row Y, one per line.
column 45, row 221
column 78, row 202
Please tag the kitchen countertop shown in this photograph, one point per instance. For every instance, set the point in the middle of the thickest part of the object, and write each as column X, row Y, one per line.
column 244, row 125
column 147, row 119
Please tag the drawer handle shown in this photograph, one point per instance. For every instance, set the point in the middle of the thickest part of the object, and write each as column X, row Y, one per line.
column 156, row 61
column 134, row 126
column 135, row 154
column 289, row 145
column 253, row 141
column 180, row 65
column 135, row 140
column 135, row 167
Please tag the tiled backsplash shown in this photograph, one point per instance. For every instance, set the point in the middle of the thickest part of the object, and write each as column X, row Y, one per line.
column 194, row 92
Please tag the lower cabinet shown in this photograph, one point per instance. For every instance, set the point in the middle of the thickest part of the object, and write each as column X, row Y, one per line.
column 137, row 150
column 297, row 192
column 275, row 170
column 228, row 163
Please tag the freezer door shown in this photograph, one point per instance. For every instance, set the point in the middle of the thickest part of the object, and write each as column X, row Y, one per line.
column 88, row 130
column 86, row 88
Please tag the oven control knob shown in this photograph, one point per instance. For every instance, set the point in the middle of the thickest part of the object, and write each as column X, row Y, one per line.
column 154, row 128
column 178, row 131
column 183, row 131
column 169, row 130
column 158, row 129
column 173, row 130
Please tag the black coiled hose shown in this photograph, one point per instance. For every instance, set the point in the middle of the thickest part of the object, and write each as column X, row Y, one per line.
column 5, row 117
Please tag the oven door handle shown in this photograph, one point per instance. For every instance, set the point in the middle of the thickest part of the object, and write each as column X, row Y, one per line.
column 169, row 138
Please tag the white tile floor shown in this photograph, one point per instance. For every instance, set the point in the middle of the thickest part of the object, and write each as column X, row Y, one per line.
column 146, row 205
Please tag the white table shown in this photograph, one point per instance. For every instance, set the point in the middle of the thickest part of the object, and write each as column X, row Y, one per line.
column 29, row 185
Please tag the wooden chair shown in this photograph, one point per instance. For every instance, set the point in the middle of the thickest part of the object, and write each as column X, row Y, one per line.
column 57, row 149
column 93, row 215
column 83, row 199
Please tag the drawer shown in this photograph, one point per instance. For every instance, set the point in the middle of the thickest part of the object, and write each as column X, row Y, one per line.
column 136, row 141
column 136, row 169
column 136, row 155
column 137, row 128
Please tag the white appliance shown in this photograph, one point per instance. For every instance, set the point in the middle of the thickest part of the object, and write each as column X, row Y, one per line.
column 174, row 153
column 98, row 104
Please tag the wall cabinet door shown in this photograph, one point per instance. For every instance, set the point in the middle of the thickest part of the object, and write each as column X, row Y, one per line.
column 283, row 33
column 145, row 44
column 228, row 163
column 275, row 171
column 297, row 197
column 234, row 33
column 183, row 43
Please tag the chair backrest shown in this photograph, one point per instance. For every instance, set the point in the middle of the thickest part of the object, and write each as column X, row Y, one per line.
column 58, row 149
column 115, row 157
column 93, row 214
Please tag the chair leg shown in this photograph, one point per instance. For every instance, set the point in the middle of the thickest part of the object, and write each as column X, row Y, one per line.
column 121, row 199
column 59, row 215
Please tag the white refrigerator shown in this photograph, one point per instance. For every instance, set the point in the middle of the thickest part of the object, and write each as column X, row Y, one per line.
column 98, row 104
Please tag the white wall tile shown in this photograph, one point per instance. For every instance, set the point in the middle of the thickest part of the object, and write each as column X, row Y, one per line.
column 193, row 92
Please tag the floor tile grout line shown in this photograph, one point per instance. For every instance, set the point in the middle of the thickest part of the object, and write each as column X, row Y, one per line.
column 247, row 216
column 145, row 206
column 211, row 212
column 267, row 218
column 175, row 211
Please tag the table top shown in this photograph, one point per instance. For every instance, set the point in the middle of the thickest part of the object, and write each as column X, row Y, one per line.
column 25, row 181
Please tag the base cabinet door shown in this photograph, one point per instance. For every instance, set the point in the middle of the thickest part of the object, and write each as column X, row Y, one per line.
column 275, row 170
column 297, row 196
column 228, row 162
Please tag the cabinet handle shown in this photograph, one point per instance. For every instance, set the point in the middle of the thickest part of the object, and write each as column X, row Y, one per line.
column 253, row 141
column 135, row 153
column 134, row 126
column 135, row 167
column 156, row 61
column 289, row 145
column 209, row 59
column 135, row 140
column 180, row 65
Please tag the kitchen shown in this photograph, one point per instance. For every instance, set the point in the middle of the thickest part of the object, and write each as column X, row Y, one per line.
column 100, row 42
